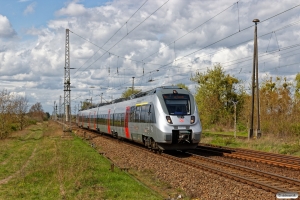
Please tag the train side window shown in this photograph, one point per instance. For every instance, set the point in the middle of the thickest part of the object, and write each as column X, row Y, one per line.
column 112, row 119
column 143, row 114
column 122, row 119
column 116, row 119
column 137, row 114
column 132, row 113
column 147, row 113
column 152, row 114
column 103, row 119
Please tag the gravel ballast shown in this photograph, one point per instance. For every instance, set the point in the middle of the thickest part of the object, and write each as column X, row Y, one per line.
column 197, row 184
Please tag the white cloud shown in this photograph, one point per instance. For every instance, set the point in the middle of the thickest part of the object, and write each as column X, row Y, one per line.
column 6, row 30
column 174, row 31
column 30, row 9
column 72, row 9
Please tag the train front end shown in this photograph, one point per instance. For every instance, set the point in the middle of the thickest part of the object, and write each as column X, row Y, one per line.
column 179, row 125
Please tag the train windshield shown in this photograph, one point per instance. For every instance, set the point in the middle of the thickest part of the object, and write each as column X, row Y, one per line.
column 178, row 104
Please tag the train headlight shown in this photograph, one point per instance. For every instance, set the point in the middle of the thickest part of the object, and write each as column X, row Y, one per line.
column 169, row 120
column 192, row 119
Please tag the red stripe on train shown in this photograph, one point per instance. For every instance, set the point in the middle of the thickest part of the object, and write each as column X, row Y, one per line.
column 127, row 115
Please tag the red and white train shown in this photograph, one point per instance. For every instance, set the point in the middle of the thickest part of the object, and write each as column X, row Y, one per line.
column 165, row 118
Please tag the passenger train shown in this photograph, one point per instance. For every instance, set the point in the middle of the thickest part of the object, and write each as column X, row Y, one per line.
column 165, row 118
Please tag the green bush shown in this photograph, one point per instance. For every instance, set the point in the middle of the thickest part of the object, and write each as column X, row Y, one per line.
column 295, row 128
column 14, row 127
column 241, row 127
column 32, row 122
column 289, row 149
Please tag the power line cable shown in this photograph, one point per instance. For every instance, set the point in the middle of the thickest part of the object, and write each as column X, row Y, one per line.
column 224, row 37
column 111, row 36
column 231, row 35
column 128, row 33
column 191, row 31
column 137, row 61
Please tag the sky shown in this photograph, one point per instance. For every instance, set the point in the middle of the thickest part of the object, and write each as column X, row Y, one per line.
column 158, row 42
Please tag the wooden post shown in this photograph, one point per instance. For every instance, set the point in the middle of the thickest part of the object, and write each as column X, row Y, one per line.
column 112, row 166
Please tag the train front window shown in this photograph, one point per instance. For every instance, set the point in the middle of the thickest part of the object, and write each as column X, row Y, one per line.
column 178, row 104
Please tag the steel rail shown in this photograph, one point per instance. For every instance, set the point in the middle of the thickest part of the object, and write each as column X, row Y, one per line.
column 286, row 161
column 258, row 173
column 238, row 178
column 255, row 182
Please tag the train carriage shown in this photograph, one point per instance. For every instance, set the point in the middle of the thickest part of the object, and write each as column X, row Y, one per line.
column 165, row 118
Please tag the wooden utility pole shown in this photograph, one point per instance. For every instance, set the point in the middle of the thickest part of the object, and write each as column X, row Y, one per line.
column 255, row 87
column 132, row 85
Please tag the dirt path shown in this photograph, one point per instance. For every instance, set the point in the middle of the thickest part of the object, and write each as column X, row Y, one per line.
column 59, row 174
column 4, row 181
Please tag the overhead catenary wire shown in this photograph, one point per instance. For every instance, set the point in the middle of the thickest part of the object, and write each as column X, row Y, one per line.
column 212, row 53
column 233, row 34
column 237, row 3
column 292, row 46
column 137, row 61
column 111, row 36
column 107, row 51
column 128, row 33
column 191, row 31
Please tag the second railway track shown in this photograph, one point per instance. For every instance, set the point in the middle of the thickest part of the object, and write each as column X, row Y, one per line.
column 264, row 180
column 285, row 161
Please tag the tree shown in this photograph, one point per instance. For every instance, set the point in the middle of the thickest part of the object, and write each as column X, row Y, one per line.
column 297, row 86
column 85, row 105
column 36, row 111
column 6, row 111
column 129, row 92
column 181, row 85
column 47, row 115
column 21, row 107
column 214, row 96
column 276, row 106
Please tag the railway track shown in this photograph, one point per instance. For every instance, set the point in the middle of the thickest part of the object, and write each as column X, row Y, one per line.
column 285, row 161
column 263, row 180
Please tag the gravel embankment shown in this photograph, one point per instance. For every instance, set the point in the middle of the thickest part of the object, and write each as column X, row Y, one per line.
column 196, row 183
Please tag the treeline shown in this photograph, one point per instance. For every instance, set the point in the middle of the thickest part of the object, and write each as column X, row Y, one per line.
column 279, row 102
column 14, row 114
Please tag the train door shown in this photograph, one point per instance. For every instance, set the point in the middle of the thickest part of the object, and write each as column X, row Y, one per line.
column 147, row 119
column 150, row 119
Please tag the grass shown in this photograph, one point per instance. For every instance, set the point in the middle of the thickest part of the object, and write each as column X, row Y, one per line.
column 288, row 145
column 229, row 133
column 43, row 165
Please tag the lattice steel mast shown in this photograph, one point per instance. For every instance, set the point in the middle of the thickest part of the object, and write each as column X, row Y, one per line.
column 67, row 84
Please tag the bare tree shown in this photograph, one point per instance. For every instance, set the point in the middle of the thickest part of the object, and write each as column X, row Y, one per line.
column 6, row 111
column 36, row 111
column 21, row 107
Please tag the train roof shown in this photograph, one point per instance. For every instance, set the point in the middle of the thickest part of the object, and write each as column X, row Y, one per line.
column 137, row 95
